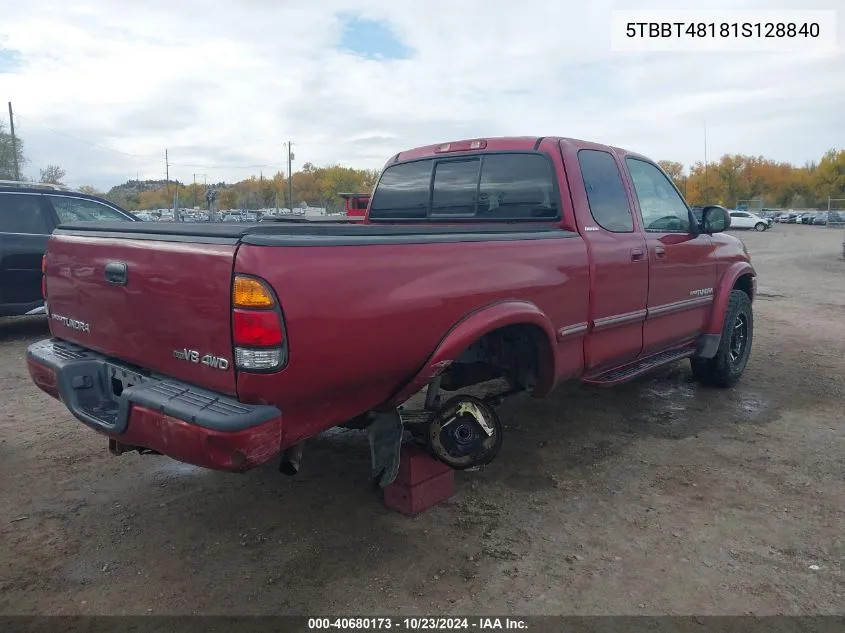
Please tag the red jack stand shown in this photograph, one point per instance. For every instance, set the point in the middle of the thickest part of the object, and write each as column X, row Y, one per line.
column 422, row 482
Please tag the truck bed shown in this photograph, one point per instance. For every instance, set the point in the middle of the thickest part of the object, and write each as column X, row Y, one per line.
column 364, row 306
column 304, row 233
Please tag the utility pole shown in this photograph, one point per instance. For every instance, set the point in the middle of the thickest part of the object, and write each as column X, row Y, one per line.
column 290, row 177
column 167, row 173
column 705, row 161
column 14, row 143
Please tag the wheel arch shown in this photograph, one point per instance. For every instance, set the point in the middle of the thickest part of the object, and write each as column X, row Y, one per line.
column 478, row 324
column 738, row 276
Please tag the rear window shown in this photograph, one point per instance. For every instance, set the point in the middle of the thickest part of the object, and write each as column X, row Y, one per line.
column 485, row 187
column 455, row 188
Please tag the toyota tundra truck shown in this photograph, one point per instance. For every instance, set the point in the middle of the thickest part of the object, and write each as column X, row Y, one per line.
column 522, row 262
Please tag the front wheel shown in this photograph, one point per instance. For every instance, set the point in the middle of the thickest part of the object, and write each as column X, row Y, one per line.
column 760, row 226
column 726, row 367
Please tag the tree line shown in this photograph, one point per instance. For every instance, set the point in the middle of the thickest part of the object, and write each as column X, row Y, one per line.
column 736, row 177
column 728, row 181
column 312, row 186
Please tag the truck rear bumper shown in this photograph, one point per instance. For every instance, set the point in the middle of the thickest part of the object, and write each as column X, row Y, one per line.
column 138, row 410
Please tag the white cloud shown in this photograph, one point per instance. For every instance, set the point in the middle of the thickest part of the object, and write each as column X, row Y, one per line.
column 224, row 84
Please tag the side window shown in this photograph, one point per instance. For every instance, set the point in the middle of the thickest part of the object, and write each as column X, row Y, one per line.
column 79, row 209
column 661, row 207
column 22, row 213
column 516, row 186
column 455, row 188
column 605, row 191
column 737, row 215
column 402, row 191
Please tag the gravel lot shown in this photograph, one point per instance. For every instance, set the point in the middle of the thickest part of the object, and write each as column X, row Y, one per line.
column 657, row 497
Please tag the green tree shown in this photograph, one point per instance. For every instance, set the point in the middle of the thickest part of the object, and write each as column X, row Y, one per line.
column 52, row 174
column 830, row 175
column 8, row 152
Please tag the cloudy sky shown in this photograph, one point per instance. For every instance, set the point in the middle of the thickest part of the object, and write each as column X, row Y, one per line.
column 102, row 87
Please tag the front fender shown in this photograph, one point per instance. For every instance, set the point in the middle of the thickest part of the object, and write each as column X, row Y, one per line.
column 723, row 294
column 471, row 328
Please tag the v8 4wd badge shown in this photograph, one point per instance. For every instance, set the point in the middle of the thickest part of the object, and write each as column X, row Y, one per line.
column 209, row 360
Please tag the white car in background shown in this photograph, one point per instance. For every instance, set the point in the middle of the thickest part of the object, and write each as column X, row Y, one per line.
column 747, row 220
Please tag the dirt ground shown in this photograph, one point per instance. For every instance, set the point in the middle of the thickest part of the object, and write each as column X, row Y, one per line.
column 657, row 497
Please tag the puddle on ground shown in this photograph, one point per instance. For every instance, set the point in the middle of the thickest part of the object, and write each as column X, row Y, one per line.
column 679, row 408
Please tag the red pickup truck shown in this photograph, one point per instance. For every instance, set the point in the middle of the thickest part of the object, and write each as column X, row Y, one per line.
column 524, row 262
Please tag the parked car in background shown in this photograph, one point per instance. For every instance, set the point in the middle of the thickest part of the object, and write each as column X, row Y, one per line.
column 835, row 217
column 748, row 220
column 820, row 218
column 28, row 214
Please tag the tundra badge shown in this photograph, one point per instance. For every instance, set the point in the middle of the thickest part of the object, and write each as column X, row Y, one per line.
column 193, row 356
column 701, row 292
column 73, row 324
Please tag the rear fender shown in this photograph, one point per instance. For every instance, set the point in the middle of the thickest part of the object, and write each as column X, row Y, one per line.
column 723, row 294
column 473, row 327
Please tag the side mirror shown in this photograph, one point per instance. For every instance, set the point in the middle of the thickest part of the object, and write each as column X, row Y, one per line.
column 715, row 219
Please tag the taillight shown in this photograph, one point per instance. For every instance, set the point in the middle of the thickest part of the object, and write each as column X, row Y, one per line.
column 258, row 332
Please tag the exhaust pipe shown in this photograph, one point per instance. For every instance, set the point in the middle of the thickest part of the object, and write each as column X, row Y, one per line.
column 291, row 459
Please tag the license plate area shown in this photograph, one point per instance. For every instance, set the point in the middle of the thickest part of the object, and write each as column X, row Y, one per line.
column 120, row 379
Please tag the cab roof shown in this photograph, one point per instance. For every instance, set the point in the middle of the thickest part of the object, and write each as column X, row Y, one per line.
column 502, row 143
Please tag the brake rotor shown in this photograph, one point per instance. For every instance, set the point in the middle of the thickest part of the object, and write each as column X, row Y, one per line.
column 465, row 432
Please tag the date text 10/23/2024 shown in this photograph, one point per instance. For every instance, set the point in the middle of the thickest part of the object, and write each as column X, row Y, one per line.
column 723, row 31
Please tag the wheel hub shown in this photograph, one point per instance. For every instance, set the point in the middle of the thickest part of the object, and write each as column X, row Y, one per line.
column 739, row 338
column 464, row 433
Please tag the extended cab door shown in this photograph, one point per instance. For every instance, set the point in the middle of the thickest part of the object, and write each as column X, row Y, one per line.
column 617, row 253
column 25, row 227
column 682, row 267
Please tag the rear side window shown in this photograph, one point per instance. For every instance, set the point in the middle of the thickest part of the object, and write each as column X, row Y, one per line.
column 21, row 213
column 402, row 192
column 605, row 192
column 80, row 209
column 517, row 186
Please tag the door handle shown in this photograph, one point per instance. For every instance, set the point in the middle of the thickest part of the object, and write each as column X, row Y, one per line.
column 115, row 273
column 659, row 252
column 637, row 254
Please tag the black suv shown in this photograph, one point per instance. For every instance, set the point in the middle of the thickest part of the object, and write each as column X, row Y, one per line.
column 28, row 214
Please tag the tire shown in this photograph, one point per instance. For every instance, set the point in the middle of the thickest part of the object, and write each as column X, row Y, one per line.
column 760, row 226
column 726, row 367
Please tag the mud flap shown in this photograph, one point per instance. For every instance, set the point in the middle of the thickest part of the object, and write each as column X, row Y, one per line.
column 385, row 434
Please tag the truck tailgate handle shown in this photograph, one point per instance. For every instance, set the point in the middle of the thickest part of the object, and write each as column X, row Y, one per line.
column 637, row 254
column 116, row 273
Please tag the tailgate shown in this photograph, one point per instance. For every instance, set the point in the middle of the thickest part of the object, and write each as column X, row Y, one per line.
column 171, row 314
